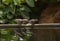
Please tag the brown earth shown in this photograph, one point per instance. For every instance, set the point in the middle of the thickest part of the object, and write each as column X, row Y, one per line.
column 49, row 15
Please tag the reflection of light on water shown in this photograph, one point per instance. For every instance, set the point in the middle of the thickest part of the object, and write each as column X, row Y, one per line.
column 21, row 39
column 12, row 40
column 15, row 36
column 27, row 34
column 35, row 0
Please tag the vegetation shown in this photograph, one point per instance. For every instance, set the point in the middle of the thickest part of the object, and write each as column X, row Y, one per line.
column 12, row 9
